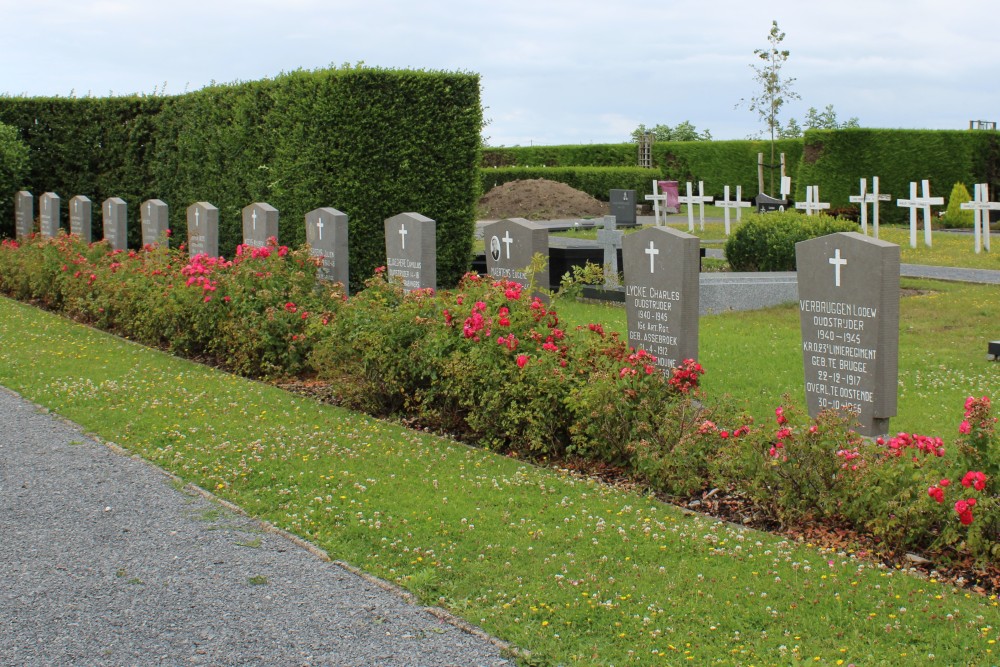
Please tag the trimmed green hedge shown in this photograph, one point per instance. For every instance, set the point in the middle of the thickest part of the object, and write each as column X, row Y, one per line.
column 837, row 159
column 717, row 163
column 766, row 241
column 13, row 169
column 595, row 181
column 370, row 142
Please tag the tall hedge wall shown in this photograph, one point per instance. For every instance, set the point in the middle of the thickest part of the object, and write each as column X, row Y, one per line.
column 717, row 163
column 837, row 159
column 369, row 142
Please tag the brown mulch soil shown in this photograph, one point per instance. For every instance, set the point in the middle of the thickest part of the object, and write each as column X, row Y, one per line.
column 539, row 199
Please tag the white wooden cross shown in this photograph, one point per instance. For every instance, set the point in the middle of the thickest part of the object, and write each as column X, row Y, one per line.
column 402, row 235
column 652, row 252
column 727, row 204
column 812, row 202
column 981, row 207
column 690, row 200
column 873, row 198
column 924, row 202
column 658, row 198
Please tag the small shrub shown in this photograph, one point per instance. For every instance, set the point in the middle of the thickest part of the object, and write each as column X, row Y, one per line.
column 956, row 217
column 766, row 242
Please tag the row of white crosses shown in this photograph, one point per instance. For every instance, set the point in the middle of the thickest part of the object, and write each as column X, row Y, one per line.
column 924, row 202
column 812, row 202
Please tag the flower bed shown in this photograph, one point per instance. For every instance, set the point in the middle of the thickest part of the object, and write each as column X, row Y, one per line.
column 489, row 364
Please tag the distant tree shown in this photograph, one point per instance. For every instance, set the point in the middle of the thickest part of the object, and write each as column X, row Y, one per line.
column 775, row 89
column 684, row 131
column 817, row 120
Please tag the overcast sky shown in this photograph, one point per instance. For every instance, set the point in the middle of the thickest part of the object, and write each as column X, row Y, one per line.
column 553, row 71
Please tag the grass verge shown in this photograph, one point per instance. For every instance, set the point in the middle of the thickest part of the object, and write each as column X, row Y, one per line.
column 572, row 570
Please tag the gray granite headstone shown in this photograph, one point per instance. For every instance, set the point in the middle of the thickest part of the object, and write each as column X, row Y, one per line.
column 48, row 214
column 326, row 233
column 203, row 229
column 510, row 246
column 260, row 222
column 849, row 313
column 623, row 207
column 661, row 293
column 80, row 218
column 114, row 211
column 411, row 250
column 24, row 214
column 610, row 239
column 155, row 218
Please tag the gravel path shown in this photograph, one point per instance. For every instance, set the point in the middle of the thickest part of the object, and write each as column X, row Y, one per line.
column 106, row 562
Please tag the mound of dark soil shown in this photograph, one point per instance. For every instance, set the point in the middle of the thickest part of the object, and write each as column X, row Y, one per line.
column 539, row 199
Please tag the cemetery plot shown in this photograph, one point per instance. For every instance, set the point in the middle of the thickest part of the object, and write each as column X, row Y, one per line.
column 849, row 315
column 726, row 204
column 326, row 233
column 203, row 229
column 873, row 198
column 981, row 207
column 661, row 294
column 690, row 200
column 80, row 218
column 411, row 250
column 812, row 204
column 610, row 239
column 510, row 246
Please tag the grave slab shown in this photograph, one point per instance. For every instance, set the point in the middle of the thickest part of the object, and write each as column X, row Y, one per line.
column 49, row 205
column 24, row 214
column 411, row 250
column 155, row 220
column 849, row 315
column 510, row 246
column 115, row 212
column 260, row 223
column 326, row 233
column 81, row 218
column 662, row 293
column 203, row 229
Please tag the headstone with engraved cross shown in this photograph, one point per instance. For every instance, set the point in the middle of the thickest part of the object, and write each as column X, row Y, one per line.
column 510, row 246
column 610, row 239
column 981, row 207
column 411, row 250
column 24, row 214
column 155, row 220
column 48, row 213
column 924, row 203
column 661, row 293
column 80, row 218
column 203, row 229
column 849, row 315
column 260, row 223
column 326, row 233
column 114, row 212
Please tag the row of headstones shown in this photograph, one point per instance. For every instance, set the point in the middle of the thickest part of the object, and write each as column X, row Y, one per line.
column 849, row 296
column 980, row 206
column 848, row 300
column 326, row 228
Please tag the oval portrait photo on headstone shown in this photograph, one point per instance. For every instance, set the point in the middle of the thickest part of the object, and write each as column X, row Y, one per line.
column 495, row 248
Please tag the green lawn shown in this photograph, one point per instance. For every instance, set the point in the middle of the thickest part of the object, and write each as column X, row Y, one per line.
column 572, row 570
